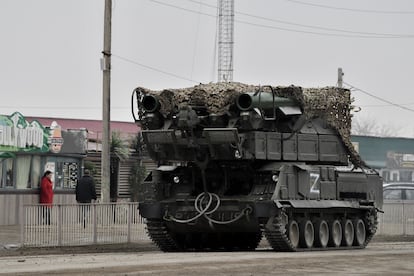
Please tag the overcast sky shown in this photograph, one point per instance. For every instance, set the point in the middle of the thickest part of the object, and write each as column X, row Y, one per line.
column 51, row 49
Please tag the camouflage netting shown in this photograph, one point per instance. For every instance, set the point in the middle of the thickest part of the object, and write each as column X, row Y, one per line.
column 330, row 103
column 216, row 96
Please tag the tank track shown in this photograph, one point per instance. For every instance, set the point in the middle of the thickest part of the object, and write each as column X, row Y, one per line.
column 275, row 233
column 160, row 235
column 278, row 239
column 168, row 241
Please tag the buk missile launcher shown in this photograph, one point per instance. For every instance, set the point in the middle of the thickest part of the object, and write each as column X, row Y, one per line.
column 236, row 162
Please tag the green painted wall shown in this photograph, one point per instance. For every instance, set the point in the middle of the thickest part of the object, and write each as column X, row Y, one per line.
column 373, row 150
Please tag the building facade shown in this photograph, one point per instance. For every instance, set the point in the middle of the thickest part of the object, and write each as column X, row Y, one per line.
column 27, row 150
column 31, row 145
column 392, row 157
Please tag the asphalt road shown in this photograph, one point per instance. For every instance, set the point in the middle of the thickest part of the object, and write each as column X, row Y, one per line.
column 388, row 258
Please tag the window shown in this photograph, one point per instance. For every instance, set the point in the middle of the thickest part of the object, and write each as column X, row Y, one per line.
column 21, row 172
column 35, row 172
column 386, row 175
column 70, row 174
column 395, row 176
column 409, row 194
column 406, row 176
column 22, row 178
column 66, row 172
column 8, row 172
column 1, row 173
column 393, row 194
column 25, row 171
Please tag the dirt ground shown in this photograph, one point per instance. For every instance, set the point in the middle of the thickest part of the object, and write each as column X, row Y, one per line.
column 14, row 249
column 380, row 258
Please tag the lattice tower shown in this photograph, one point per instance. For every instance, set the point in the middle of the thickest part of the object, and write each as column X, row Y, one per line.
column 225, row 41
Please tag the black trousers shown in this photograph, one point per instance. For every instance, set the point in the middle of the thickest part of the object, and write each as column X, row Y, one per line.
column 46, row 214
column 84, row 212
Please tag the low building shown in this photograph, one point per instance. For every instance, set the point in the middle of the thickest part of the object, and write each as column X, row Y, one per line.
column 128, row 132
column 31, row 145
column 392, row 157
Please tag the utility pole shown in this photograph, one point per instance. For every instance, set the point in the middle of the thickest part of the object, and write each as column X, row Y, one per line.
column 340, row 75
column 106, row 104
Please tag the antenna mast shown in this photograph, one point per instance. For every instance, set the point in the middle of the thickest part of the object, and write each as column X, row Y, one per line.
column 225, row 42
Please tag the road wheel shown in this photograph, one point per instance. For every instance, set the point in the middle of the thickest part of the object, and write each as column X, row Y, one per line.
column 307, row 234
column 293, row 233
column 321, row 233
column 360, row 232
column 348, row 233
column 335, row 233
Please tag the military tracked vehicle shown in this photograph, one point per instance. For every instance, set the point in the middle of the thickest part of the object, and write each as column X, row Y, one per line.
column 236, row 162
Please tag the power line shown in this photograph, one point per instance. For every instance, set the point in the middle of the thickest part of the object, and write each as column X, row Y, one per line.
column 184, row 9
column 195, row 42
column 385, row 105
column 348, row 9
column 352, row 34
column 316, row 33
column 153, row 68
column 311, row 26
column 379, row 98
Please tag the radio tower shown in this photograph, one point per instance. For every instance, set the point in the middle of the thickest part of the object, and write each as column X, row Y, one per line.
column 225, row 41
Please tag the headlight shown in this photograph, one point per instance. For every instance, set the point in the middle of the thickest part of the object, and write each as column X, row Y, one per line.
column 275, row 178
column 237, row 154
column 176, row 179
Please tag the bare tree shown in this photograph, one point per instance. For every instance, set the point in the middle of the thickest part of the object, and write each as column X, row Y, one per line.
column 370, row 127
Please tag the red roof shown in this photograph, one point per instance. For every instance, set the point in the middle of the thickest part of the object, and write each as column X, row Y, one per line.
column 94, row 127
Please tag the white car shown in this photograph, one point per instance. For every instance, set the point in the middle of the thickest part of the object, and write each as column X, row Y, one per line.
column 399, row 191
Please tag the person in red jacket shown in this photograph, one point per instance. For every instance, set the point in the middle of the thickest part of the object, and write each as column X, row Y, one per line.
column 46, row 195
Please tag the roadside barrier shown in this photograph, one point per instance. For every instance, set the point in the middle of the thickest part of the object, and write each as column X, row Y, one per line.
column 397, row 219
column 81, row 224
